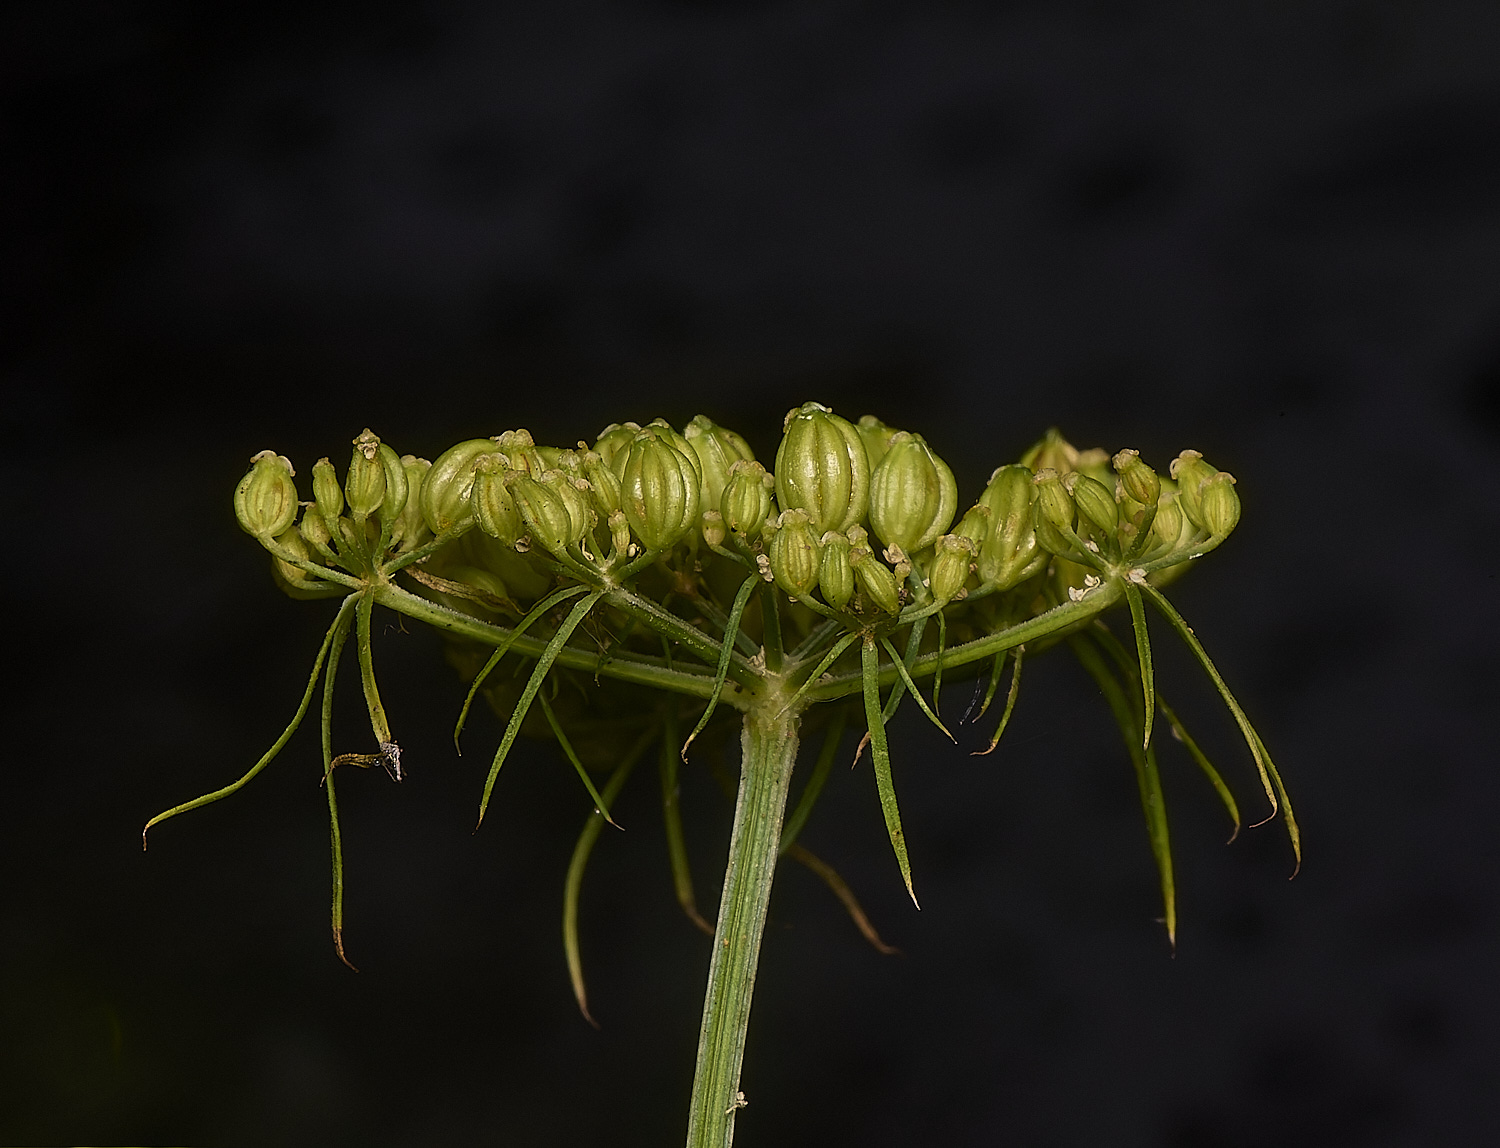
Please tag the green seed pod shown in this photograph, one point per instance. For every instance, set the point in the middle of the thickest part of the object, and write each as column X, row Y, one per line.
column 265, row 501
column 835, row 575
column 877, row 438
column 1094, row 501
column 327, row 492
column 1053, row 503
column 913, row 496
column 1170, row 524
column 410, row 529
column 604, row 483
column 976, row 525
column 659, row 490
column 1220, row 504
column 746, row 501
column 521, row 449
column 543, row 510
column 619, row 533
column 293, row 580
column 446, row 489
column 396, row 491
column 794, row 553
column 1192, row 474
column 1052, row 452
column 1010, row 553
column 577, row 498
column 494, row 509
column 950, row 566
column 613, row 444
column 1137, row 480
column 314, row 528
column 365, row 482
column 876, row 580
column 491, row 587
column 822, row 468
column 717, row 449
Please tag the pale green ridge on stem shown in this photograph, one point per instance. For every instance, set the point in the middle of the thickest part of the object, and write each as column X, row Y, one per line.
column 769, row 751
column 881, row 756
column 1268, row 774
column 818, row 671
column 573, row 885
column 534, row 683
column 1147, row 775
column 340, row 620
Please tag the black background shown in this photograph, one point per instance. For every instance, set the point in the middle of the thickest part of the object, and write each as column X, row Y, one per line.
column 1266, row 231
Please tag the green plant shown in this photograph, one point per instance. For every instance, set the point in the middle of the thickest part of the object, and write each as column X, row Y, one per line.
column 665, row 580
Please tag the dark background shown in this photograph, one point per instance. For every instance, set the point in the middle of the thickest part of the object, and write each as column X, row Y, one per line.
column 1266, row 231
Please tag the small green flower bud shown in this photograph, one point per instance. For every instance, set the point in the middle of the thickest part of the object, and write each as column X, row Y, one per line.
column 293, row 580
column 313, row 527
column 876, row 580
column 577, row 498
column 1192, row 473
column 494, row 509
column 613, row 444
column 950, row 566
column 1170, row 523
column 718, row 449
column 794, row 553
column 1137, row 480
column 410, row 529
column 448, row 485
column 265, row 501
column 1010, row 552
column 1220, row 504
column 746, row 500
column 604, row 483
column 877, row 438
column 713, row 528
column 976, row 525
column 522, row 451
column 619, row 533
column 365, row 482
column 327, row 492
column 659, row 490
column 835, row 575
column 1052, row 452
column 821, row 467
column 1053, row 503
column 396, row 490
column 542, row 509
column 913, row 496
column 668, row 434
column 1094, row 501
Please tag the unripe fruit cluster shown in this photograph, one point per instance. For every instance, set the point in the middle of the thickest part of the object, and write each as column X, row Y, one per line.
column 854, row 518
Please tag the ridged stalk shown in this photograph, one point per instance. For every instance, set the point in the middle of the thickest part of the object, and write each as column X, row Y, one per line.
column 769, row 747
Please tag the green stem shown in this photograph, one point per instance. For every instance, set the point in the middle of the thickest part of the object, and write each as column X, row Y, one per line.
column 622, row 665
column 769, row 746
column 1068, row 616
